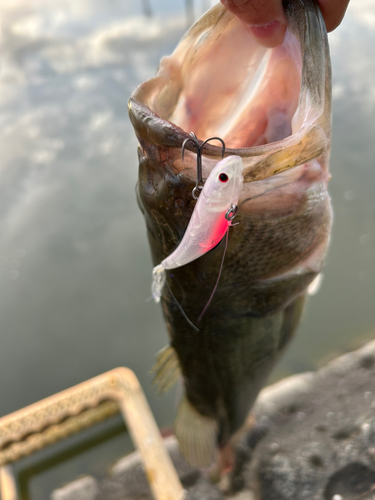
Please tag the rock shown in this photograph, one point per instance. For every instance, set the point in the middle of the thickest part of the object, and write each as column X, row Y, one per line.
column 203, row 490
column 318, row 435
column 126, row 479
column 84, row 488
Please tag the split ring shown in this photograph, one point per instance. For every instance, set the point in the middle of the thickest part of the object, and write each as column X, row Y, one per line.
column 231, row 213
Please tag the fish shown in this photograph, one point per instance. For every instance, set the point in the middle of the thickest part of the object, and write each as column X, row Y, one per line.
column 210, row 220
column 272, row 107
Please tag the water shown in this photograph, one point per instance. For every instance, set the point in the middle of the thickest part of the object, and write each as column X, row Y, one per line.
column 75, row 269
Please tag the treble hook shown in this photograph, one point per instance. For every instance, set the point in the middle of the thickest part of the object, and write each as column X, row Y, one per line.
column 194, row 140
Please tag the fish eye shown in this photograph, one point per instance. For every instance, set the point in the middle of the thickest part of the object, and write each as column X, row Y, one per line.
column 223, row 178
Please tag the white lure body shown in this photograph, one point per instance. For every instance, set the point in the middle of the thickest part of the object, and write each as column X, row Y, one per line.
column 208, row 224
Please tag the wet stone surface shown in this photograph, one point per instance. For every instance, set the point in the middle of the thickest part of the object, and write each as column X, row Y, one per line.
column 318, row 435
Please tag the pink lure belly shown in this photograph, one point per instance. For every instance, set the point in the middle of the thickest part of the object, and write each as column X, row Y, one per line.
column 217, row 233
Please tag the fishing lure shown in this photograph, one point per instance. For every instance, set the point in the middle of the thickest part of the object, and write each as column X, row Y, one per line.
column 213, row 214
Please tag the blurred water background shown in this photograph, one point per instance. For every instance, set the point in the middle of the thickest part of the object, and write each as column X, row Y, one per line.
column 75, row 269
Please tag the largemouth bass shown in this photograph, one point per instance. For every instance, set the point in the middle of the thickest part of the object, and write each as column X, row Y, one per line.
column 272, row 107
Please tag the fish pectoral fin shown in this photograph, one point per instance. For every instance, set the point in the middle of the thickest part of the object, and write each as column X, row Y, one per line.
column 166, row 369
column 196, row 435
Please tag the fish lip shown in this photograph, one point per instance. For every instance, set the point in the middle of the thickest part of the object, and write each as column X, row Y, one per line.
column 151, row 126
column 163, row 133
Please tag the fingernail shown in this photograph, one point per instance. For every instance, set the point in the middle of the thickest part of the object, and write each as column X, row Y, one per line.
column 268, row 35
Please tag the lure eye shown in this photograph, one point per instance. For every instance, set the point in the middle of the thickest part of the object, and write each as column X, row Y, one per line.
column 223, row 178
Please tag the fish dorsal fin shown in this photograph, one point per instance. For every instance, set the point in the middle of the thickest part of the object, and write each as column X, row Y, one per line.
column 196, row 434
column 166, row 369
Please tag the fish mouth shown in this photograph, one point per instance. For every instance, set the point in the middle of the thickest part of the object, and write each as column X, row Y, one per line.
column 270, row 106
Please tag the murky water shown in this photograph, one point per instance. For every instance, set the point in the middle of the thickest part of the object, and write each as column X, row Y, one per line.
column 75, row 269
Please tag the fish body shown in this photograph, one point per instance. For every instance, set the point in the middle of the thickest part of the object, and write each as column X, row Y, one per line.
column 209, row 221
column 272, row 107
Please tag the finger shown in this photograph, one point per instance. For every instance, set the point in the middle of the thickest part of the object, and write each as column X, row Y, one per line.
column 333, row 12
column 264, row 19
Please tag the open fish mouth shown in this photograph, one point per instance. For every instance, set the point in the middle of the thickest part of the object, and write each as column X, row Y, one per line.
column 270, row 106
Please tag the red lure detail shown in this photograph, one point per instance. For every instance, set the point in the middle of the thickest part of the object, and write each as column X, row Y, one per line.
column 217, row 234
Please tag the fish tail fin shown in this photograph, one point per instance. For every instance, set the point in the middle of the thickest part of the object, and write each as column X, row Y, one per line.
column 196, row 434
column 158, row 281
column 166, row 369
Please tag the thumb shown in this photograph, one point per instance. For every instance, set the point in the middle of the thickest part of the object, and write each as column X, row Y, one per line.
column 264, row 19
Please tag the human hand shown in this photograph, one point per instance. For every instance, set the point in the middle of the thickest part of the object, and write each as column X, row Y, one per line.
column 265, row 19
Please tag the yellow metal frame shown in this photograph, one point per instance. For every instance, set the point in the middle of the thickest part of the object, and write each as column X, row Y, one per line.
column 61, row 415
